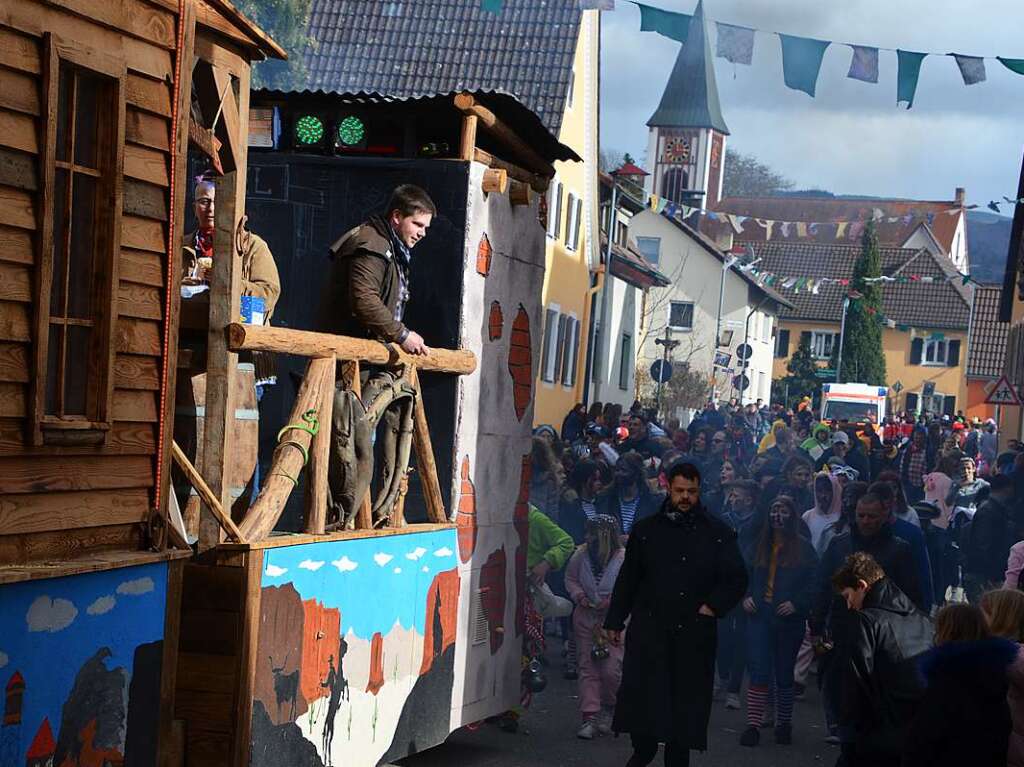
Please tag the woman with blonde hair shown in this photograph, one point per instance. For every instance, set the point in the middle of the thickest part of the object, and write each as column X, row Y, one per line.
column 1004, row 611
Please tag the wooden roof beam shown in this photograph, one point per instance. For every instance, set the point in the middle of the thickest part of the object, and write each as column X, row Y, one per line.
column 467, row 104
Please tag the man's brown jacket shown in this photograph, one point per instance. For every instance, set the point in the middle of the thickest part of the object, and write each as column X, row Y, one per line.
column 363, row 289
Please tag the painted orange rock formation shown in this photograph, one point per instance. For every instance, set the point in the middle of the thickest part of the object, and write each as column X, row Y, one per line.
column 443, row 614
column 321, row 636
column 483, row 256
column 465, row 518
column 493, row 595
column 520, row 362
column 376, row 664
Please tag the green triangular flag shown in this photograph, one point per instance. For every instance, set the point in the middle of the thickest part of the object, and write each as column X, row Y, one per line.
column 673, row 25
column 906, row 79
column 1014, row 65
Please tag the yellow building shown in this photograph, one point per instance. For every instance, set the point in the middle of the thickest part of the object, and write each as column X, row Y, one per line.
column 925, row 355
column 572, row 237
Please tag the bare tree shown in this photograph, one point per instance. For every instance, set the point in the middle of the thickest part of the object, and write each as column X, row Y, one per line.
column 611, row 159
column 746, row 176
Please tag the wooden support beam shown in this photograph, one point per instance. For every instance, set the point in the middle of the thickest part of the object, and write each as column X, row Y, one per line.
column 425, row 457
column 225, row 298
column 468, row 143
column 520, row 193
column 211, row 500
column 467, row 104
column 290, row 455
column 495, row 180
column 319, row 460
column 539, row 183
column 306, row 343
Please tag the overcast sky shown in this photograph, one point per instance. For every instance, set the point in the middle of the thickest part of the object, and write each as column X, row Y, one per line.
column 851, row 138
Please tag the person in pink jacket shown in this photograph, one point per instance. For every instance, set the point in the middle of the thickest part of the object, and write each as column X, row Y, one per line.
column 589, row 579
column 1004, row 611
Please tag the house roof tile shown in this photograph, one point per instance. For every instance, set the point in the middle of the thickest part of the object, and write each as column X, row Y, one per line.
column 928, row 305
column 988, row 335
column 415, row 48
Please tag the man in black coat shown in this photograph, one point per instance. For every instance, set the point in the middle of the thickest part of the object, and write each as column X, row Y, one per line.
column 683, row 570
column 882, row 686
column 989, row 539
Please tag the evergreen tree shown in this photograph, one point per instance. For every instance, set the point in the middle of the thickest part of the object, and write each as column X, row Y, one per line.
column 802, row 380
column 863, row 360
column 287, row 21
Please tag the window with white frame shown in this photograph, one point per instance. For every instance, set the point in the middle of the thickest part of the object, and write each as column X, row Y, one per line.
column 573, row 214
column 650, row 247
column 572, row 88
column 822, row 344
column 555, row 209
column 549, row 354
column 766, row 328
column 935, row 352
column 680, row 315
column 569, row 347
column 625, row 361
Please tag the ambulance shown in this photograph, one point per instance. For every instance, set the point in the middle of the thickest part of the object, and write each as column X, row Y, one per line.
column 853, row 402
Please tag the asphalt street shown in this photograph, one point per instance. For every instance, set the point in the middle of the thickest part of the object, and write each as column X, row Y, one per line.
column 547, row 737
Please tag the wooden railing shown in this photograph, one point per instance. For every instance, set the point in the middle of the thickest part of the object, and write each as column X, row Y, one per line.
column 317, row 394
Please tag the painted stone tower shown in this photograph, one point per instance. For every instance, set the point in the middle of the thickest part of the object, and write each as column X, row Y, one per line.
column 686, row 142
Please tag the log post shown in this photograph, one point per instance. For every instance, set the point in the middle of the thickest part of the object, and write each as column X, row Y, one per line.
column 319, row 460
column 290, row 455
column 540, row 184
column 467, row 104
column 425, row 457
column 520, row 193
column 307, row 343
column 468, row 140
column 495, row 180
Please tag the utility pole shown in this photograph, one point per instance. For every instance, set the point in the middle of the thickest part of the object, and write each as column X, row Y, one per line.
column 668, row 345
column 842, row 338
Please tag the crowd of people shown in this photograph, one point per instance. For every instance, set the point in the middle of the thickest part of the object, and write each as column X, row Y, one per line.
column 883, row 558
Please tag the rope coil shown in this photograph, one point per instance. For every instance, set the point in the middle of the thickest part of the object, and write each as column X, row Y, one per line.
column 310, row 425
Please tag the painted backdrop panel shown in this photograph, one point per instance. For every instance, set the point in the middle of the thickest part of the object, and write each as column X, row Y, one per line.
column 355, row 661
column 80, row 665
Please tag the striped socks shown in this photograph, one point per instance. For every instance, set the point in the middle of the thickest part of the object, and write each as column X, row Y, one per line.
column 757, row 698
column 783, row 705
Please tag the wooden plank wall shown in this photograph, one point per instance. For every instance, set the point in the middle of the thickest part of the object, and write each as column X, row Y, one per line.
column 59, row 501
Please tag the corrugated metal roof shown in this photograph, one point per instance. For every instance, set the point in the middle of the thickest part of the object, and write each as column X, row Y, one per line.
column 416, row 48
column 690, row 99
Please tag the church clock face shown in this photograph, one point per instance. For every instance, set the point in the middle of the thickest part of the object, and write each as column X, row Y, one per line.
column 677, row 150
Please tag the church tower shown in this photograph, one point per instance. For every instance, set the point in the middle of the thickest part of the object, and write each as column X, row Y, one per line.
column 686, row 143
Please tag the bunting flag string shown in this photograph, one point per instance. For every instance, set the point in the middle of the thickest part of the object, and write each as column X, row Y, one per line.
column 802, row 56
column 850, row 229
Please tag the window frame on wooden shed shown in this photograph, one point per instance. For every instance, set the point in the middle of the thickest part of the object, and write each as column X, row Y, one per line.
column 92, row 426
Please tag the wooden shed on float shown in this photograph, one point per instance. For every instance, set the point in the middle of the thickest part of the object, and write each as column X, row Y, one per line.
column 94, row 130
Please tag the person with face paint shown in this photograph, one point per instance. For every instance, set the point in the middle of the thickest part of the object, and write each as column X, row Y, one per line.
column 882, row 686
column 779, row 595
column 794, row 481
column 630, row 498
column 683, row 570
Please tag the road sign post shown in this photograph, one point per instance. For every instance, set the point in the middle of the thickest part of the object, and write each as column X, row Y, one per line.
column 665, row 367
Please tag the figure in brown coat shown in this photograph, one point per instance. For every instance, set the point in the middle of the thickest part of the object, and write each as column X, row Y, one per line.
column 365, row 296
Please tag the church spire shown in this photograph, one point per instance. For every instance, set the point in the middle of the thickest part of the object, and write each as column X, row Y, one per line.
column 690, row 99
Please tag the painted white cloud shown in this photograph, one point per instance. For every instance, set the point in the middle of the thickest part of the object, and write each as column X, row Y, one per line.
column 345, row 565
column 309, row 564
column 136, row 587
column 101, row 606
column 275, row 572
column 416, row 553
column 443, row 552
column 397, row 570
column 3, row 659
column 426, row 569
column 51, row 615
column 381, row 558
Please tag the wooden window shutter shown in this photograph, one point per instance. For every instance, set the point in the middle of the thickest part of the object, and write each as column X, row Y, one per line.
column 949, row 405
column 805, row 337
column 911, row 402
column 782, row 349
column 916, row 349
column 953, row 358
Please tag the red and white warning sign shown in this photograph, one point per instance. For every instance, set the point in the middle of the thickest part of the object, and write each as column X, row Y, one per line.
column 1003, row 393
